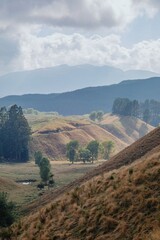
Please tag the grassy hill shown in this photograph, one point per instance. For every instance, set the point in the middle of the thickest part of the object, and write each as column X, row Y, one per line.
column 118, row 200
column 52, row 133
column 128, row 129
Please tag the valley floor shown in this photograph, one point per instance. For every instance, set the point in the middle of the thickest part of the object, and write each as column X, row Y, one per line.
column 13, row 178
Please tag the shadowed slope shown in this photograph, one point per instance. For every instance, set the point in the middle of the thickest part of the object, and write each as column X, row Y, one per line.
column 128, row 129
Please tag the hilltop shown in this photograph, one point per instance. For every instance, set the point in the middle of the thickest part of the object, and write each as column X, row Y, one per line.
column 51, row 134
column 103, row 203
column 65, row 78
column 85, row 100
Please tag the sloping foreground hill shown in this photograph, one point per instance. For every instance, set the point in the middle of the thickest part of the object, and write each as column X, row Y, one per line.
column 52, row 136
column 117, row 204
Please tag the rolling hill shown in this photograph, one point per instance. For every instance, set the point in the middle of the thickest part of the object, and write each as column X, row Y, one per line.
column 65, row 78
column 128, row 129
column 52, row 135
column 118, row 200
column 85, row 100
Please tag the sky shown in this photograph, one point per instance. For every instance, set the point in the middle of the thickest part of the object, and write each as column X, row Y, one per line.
column 45, row 33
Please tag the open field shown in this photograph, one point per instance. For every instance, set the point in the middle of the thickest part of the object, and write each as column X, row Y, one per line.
column 11, row 174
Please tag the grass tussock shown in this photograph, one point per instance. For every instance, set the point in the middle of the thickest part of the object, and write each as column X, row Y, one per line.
column 155, row 235
column 120, row 205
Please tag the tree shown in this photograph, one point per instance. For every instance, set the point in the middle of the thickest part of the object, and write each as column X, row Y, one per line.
column 45, row 169
column 135, row 108
column 100, row 115
column 93, row 148
column 72, row 147
column 84, row 154
column 38, row 157
column 71, row 154
column 146, row 116
column 122, row 106
column 96, row 115
column 93, row 116
column 16, row 136
column 73, row 144
column 107, row 149
column 7, row 210
column 3, row 119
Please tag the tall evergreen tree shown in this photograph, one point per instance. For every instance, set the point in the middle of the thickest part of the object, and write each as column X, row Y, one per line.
column 16, row 138
column 3, row 119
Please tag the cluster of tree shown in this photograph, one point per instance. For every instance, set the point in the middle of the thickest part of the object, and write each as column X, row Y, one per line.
column 32, row 111
column 14, row 135
column 96, row 115
column 89, row 153
column 148, row 111
column 45, row 170
column 106, row 149
column 125, row 107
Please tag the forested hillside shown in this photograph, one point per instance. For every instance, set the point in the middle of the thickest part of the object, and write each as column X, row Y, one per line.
column 65, row 78
column 148, row 111
column 88, row 99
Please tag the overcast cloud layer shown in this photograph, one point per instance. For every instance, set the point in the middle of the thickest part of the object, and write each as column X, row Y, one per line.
column 44, row 33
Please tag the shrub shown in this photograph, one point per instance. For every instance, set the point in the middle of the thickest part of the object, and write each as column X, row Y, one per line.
column 7, row 210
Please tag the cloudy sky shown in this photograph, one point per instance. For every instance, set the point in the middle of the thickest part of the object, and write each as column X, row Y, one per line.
column 45, row 33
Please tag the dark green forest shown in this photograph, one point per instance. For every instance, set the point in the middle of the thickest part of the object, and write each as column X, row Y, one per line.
column 148, row 111
column 89, row 99
column 14, row 135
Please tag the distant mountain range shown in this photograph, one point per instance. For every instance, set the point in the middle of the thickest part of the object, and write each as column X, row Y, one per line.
column 65, row 78
column 85, row 100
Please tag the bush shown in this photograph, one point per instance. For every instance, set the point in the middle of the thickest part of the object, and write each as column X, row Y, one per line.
column 7, row 210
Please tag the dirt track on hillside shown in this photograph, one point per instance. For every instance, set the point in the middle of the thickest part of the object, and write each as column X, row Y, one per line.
column 125, row 157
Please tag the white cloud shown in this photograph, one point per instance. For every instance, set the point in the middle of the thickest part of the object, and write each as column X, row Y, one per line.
column 56, row 49
column 23, row 22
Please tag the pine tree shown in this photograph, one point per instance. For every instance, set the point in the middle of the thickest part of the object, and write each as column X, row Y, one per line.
column 17, row 133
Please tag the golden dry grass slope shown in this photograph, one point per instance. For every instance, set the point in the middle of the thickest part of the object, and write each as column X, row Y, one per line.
column 128, row 129
column 119, row 200
column 50, row 135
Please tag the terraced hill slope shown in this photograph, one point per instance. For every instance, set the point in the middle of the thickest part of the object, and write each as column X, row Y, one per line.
column 50, row 135
column 116, row 201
